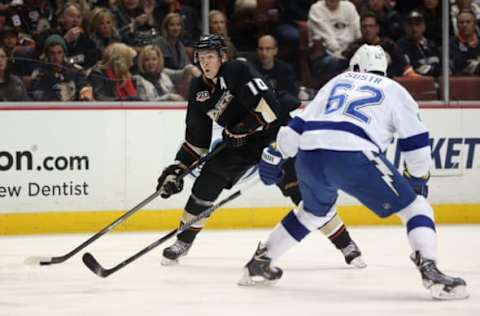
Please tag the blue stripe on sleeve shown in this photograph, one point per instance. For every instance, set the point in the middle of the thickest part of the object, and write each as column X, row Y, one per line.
column 294, row 227
column 414, row 142
column 420, row 221
column 297, row 124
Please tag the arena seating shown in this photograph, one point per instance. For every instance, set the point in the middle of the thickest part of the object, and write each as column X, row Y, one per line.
column 421, row 88
column 462, row 88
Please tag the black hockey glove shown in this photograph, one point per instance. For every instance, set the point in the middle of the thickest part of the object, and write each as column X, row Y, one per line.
column 169, row 182
column 419, row 185
column 236, row 136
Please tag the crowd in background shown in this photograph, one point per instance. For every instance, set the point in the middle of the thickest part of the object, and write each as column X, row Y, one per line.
column 142, row 50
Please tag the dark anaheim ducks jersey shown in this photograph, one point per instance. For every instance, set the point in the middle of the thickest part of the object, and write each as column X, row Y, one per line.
column 240, row 95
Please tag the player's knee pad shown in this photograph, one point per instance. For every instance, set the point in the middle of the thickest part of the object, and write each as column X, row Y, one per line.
column 418, row 214
column 194, row 207
column 300, row 223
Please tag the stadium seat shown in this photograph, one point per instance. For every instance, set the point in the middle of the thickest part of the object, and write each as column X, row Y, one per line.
column 421, row 88
column 463, row 88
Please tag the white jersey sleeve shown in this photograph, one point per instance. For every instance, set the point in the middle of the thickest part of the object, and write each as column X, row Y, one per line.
column 413, row 136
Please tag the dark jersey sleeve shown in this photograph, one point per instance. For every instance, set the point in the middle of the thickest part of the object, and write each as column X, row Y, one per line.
column 255, row 94
column 198, row 132
column 199, row 125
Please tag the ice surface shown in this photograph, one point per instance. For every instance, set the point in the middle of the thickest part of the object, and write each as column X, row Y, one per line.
column 316, row 280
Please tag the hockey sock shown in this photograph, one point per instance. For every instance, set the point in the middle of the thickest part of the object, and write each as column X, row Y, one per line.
column 291, row 230
column 419, row 221
column 194, row 207
column 336, row 231
column 286, row 234
column 189, row 235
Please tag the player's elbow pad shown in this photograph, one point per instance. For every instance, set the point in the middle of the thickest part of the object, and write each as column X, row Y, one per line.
column 418, row 161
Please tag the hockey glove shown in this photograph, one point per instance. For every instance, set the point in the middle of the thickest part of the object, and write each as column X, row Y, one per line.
column 236, row 137
column 419, row 185
column 169, row 182
column 270, row 166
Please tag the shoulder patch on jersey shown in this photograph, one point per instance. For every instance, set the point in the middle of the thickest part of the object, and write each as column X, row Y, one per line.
column 202, row 96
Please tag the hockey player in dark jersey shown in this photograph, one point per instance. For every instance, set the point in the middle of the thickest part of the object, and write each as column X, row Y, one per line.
column 235, row 96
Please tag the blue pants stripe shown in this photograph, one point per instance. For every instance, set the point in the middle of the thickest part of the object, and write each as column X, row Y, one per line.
column 294, row 227
column 420, row 221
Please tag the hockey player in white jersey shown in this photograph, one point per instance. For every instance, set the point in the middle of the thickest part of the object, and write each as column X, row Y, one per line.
column 338, row 142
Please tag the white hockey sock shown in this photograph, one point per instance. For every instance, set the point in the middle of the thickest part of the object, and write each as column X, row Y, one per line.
column 424, row 239
column 279, row 242
column 419, row 220
column 295, row 226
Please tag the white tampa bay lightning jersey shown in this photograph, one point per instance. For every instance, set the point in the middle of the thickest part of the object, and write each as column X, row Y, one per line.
column 357, row 112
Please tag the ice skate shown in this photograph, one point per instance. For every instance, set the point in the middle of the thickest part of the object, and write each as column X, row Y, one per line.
column 259, row 270
column 174, row 252
column 441, row 286
column 353, row 256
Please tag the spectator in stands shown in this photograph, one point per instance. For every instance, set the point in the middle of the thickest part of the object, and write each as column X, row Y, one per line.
column 81, row 50
column 397, row 64
column 11, row 86
column 33, row 16
column 432, row 13
column 461, row 5
column 388, row 19
column 170, row 42
column 465, row 47
column 57, row 80
column 420, row 52
column 111, row 78
column 333, row 25
column 218, row 25
column 280, row 74
column 20, row 57
column 190, row 16
column 135, row 22
column 293, row 17
column 177, row 63
column 85, row 7
column 102, row 29
column 150, row 67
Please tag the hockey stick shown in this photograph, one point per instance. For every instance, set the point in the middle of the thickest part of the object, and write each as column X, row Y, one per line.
column 96, row 268
column 37, row 260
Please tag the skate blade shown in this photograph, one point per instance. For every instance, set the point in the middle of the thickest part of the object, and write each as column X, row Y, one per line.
column 169, row 262
column 358, row 263
column 457, row 293
column 248, row 280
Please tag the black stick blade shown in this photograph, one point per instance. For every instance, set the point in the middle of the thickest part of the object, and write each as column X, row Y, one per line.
column 94, row 266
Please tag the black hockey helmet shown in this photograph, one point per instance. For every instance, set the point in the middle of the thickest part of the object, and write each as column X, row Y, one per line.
column 210, row 42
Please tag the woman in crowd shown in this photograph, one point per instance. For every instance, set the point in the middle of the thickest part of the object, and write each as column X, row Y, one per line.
column 112, row 80
column 102, row 28
column 170, row 43
column 218, row 25
column 151, row 66
column 177, row 63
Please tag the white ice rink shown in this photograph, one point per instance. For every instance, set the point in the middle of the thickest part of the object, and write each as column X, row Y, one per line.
column 316, row 280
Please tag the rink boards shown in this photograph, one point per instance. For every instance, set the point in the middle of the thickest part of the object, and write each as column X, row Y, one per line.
column 76, row 168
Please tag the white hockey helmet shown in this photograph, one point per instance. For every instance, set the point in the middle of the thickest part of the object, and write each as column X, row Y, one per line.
column 369, row 58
